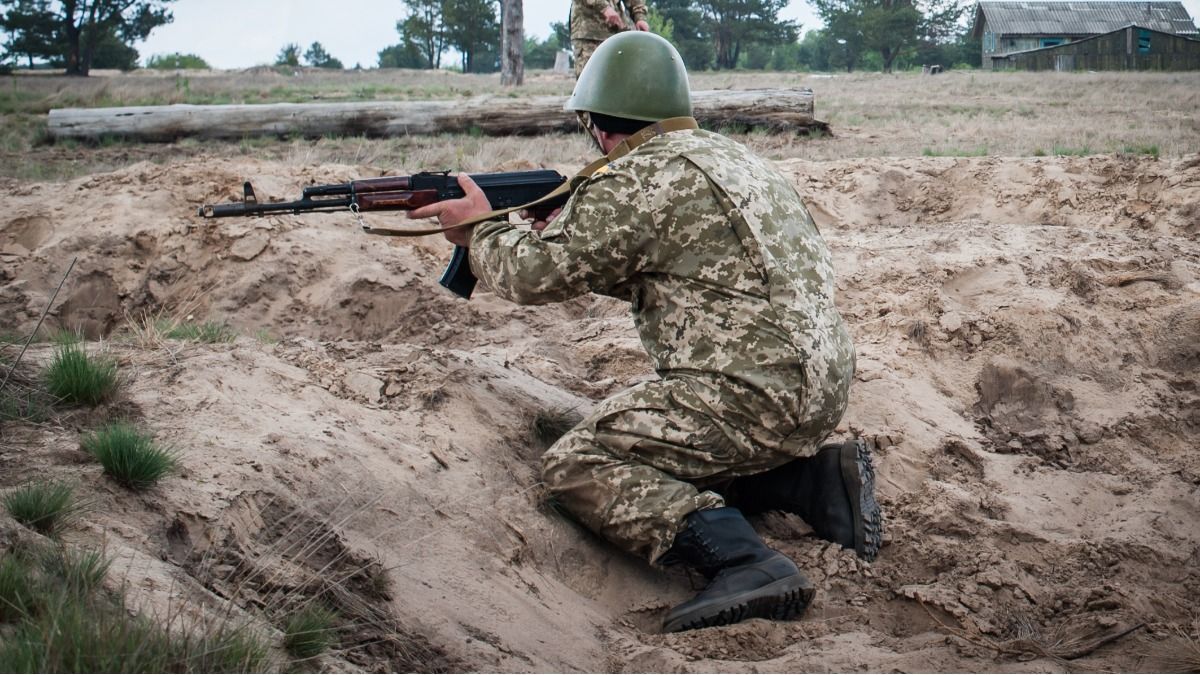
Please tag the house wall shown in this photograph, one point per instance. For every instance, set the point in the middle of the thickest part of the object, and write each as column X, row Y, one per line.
column 1126, row 49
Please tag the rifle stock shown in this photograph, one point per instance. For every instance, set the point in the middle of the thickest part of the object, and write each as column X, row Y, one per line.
column 404, row 193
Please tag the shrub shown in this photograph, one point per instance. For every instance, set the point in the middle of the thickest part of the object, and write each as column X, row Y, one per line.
column 131, row 457
column 209, row 331
column 77, row 379
column 177, row 61
column 44, row 506
column 309, row 632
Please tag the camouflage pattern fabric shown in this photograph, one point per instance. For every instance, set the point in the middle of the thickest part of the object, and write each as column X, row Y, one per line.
column 589, row 29
column 731, row 287
column 583, row 49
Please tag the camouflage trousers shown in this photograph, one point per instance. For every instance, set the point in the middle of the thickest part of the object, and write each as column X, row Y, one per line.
column 644, row 459
column 583, row 48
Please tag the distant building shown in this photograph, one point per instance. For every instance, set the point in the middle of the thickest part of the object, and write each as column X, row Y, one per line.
column 1087, row 36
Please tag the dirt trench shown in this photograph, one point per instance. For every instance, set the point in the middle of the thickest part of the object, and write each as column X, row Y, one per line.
column 1026, row 335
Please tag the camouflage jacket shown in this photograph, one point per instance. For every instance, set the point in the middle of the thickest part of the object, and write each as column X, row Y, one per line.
column 587, row 17
column 730, row 282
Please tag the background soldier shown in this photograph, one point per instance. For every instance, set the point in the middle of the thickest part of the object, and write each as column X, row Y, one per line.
column 731, row 288
column 594, row 21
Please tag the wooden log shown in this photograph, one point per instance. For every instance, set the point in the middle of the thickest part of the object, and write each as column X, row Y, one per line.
column 780, row 110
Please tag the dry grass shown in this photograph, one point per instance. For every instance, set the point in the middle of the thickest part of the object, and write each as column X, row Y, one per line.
column 871, row 115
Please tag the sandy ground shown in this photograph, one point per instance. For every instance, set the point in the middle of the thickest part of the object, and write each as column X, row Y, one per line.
column 1028, row 335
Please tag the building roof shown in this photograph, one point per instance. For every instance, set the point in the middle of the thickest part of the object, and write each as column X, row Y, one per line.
column 1081, row 18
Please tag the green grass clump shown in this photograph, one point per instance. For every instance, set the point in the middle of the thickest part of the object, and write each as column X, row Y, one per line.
column 209, row 331
column 75, row 378
column 1063, row 151
column 43, row 506
column 310, row 632
column 54, row 619
column 955, row 152
column 131, row 457
column 1151, row 150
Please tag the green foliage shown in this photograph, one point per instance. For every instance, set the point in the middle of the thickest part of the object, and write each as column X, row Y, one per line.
column 16, row 590
column 77, row 379
column 541, row 54
column 57, row 621
column 472, row 27
column 209, row 331
column 45, row 506
column 1151, row 150
column 177, row 61
column 1065, row 151
column 423, row 30
column 81, row 35
column 404, row 55
column 289, row 55
column 130, row 456
column 890, row 28
column 319, row 58
column 310, row 632
column 956, row 152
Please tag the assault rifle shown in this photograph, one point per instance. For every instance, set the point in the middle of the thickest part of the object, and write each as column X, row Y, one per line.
column 403, row 193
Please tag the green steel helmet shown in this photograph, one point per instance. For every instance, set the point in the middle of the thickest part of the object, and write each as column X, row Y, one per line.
column 635, row 75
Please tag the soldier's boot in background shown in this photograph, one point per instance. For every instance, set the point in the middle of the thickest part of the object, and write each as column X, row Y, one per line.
column 746, row 579
column 833, row 491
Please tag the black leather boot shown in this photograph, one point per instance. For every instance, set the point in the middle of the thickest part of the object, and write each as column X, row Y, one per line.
column 833, row 491
column 746, row 579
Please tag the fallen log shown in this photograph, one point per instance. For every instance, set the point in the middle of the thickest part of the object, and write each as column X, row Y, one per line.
column 778, row 110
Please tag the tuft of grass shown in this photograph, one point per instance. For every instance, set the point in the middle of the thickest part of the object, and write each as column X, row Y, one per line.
column 547, row 426
column 16, row 589
column 75, row 378
column 1064, row 151
column 1151, row 150
column 80, row 572
column 130, row 456
column 71, row 627
column 981, row 151
column 310, row 632
column 45, row 506
column 209, row 331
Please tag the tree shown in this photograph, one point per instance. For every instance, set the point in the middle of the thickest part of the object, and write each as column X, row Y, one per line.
column 424, row 27
column 75, row 32
column 688, row 32
column 733, row 24
column 888, row 27
column 317, row 57
column 473, row 29
column 512, row 42
column 289, row 55
column 403, row 55
column 32, row 31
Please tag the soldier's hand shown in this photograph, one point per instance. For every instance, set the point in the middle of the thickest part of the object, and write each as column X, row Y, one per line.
column 453, row 211
column 643, row 26
column 613, row 18
column 539, row 225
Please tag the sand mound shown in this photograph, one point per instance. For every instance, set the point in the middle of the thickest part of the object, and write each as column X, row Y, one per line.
column 1028, row 368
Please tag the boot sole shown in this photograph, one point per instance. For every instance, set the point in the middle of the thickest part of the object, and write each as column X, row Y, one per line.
column 779, row 600
column 858, row 475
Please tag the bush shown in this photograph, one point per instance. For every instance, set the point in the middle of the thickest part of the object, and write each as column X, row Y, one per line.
column 130, row 456
column 45, row 506
column 177, row 61
column 61, row 624
column 309, row 632
column 77, row 379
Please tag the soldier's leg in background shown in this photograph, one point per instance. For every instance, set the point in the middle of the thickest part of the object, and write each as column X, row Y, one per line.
column 628, row 470
column 583, row 49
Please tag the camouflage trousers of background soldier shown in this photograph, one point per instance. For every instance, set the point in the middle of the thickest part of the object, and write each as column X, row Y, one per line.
column 645, row 458
column 583, row 49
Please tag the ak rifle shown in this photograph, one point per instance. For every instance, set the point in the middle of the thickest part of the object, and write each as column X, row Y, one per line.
column 404, row 193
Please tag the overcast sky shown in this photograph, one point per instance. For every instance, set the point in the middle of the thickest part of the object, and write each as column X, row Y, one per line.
column 243, row 33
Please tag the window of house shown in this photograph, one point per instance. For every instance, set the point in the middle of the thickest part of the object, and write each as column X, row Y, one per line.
column 1143, row 41
column 1050, row 42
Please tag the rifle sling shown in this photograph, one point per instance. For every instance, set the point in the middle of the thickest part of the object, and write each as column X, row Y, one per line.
column 623, row 148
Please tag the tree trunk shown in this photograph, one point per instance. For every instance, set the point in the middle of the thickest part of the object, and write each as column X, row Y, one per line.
column 512, row 43
column 781, row 110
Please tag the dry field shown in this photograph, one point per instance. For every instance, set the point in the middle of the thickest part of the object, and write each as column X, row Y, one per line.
column 960, row 113
column 1017, row 258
